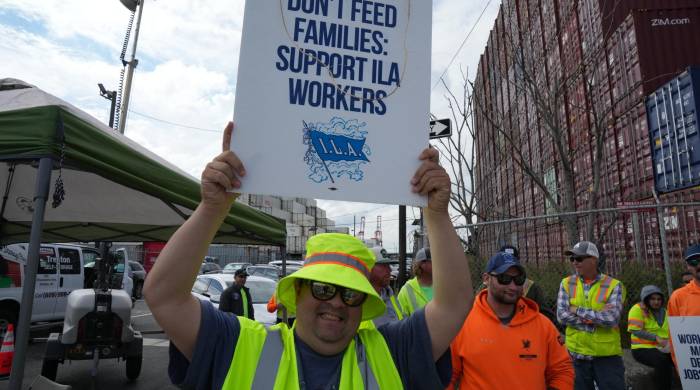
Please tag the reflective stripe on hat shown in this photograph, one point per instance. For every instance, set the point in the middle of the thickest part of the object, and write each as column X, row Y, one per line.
column 339, row 259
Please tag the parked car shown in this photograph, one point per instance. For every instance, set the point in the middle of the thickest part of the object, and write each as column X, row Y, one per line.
column 211, row 259
column 291, row 266
column 209, row 268
column 278, row 263
column 265, row 271
column 231, row 268
column 138, row 274
column 61, row 270
column 210, row 287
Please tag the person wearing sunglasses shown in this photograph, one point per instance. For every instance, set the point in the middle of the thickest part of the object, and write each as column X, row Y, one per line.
column 589, row 304
column 236, row 298
column 331, row 295
column 531, row 289
column 506, row 343
column 685, row 301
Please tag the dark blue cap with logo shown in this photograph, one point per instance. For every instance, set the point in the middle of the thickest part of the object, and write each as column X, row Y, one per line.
column 692, row 252
column 501, row 262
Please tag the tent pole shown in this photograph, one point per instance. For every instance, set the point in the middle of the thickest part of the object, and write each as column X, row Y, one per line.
column 41, row 194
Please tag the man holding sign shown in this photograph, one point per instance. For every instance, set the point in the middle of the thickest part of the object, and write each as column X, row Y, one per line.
column 331, row 294
column 684, row 318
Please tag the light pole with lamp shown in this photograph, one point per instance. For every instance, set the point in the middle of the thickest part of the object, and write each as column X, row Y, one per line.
column 132, row 5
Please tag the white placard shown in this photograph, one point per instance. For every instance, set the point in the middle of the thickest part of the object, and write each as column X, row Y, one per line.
column 332, row 98
column 685, row 333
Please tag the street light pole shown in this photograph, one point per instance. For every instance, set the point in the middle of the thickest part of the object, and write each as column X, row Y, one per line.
column 131, row 65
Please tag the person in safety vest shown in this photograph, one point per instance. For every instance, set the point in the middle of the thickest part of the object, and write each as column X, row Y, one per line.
column 331, row 295
column 589, row 304
column 506, row 343
column 647, row 325
column 418, row 291
column 236, row 299
column 685, row 301
column 380, row 277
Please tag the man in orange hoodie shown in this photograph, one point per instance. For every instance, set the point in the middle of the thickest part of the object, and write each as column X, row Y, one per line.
column 685, row 301
column 505, row 341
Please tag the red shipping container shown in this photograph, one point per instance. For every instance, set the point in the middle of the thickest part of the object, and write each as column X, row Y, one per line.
column 668, row 41
column 615, row 11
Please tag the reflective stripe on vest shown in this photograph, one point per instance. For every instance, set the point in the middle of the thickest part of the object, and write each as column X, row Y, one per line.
column 339, row 259
column 244, row 296
column 603, row 341
column 259, row 353
column 411, row 297
column 572, row 286
column 397, row 307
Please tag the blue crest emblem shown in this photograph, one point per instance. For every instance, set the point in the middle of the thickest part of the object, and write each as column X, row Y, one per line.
column 335, row 150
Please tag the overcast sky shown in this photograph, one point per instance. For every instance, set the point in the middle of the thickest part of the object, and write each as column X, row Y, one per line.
column 188, row 53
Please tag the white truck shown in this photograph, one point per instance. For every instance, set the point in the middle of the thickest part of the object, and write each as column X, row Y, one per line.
column 61, row 270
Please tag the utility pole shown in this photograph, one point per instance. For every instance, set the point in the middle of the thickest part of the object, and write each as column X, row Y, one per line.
column 131, row 64
column 402, row 246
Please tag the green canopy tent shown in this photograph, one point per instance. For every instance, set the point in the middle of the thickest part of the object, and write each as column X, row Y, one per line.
column 100, row 186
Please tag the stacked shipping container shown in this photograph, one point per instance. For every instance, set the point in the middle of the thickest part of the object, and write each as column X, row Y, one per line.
column 591, row 56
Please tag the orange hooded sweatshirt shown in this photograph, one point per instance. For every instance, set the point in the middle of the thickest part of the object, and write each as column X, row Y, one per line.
column 685, row 301
column 525, row 354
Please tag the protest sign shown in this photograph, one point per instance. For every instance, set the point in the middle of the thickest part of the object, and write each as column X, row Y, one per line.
column 332, row 98
column 685, row 333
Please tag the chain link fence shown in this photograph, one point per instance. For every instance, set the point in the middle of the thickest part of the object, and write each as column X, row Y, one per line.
column 632, row 244
column 220, row 254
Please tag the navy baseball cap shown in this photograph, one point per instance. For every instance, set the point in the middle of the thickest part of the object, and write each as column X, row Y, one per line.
column 692, row 252
column 501, row 262
column 241, row 272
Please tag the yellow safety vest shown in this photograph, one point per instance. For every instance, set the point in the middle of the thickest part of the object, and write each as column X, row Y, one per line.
column 411, row 297
column 603, row 341
column 397, row 307
column 260, row 352
column 640, row 319
column 526, row 287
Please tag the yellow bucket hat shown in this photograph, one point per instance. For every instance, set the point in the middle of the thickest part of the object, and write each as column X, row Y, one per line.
column 338, row 259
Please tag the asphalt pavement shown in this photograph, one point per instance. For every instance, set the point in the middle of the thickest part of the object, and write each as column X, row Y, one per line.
column 111, row 374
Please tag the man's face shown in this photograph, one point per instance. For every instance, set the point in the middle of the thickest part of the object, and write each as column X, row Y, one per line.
column 694, row 267
column 505, row 294
column 427, row 267
column 240, row 280
column 330, row 324
column 585, row 265
column 380, row 275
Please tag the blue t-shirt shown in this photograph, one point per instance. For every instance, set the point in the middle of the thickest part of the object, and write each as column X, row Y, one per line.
column 408, row 342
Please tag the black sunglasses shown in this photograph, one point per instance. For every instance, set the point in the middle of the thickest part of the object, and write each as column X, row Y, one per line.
column 693, row 261
column 505, row 279
column 577, row 259
column 326, row 292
